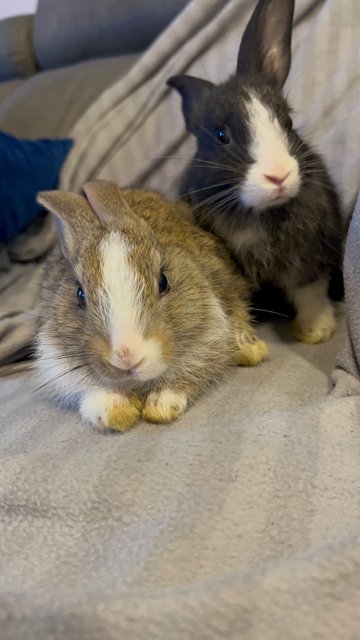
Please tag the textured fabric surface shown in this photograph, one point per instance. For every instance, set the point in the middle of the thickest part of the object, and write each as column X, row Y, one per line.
column 347, row 374
column 21, row 272
column 239, row 521
column 352, row 279
column 6, row 88
column 67, row 32
column 242, row 520
column 51, row 102
column 17, row 56
column 27, row 166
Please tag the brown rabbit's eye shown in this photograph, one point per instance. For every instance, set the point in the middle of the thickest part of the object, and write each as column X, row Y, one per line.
column 81, row 298
column 222, row 134
column 163, row 284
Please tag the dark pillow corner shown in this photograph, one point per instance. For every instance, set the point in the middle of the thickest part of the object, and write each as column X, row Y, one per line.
column 27, row 167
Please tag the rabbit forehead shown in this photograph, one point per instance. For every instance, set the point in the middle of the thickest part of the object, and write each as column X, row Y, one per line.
column 127, row 272
column 266, row 134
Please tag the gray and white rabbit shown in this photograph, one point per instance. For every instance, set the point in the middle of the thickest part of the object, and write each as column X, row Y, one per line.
column 256, row 183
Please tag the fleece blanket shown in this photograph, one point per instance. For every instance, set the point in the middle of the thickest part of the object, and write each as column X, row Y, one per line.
column 242, row 520
column 22, row 263
column 347, row 374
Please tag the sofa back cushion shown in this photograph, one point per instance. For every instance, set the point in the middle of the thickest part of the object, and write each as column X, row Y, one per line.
column 69, row 31
column 17, row 57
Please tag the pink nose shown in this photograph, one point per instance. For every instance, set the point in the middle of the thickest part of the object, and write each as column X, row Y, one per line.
column 128, row 359
column 276, row 179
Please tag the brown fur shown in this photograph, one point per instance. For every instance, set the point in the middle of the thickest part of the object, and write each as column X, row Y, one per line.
column 185, row 321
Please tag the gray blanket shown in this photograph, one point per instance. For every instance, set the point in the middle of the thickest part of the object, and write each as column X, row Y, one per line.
column 21, row 272
column 239, row 521
column 347, row 374
column 242, row 520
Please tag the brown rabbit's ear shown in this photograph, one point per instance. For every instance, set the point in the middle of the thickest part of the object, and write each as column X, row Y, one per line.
column 73, row 216
column 265, row 47
column 106, row 200
column 192, row 91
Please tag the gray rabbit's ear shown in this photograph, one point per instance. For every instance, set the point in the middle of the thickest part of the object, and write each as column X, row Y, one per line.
column 73, row 216
column 193, row 91
column 265, row 47
column 106, row 200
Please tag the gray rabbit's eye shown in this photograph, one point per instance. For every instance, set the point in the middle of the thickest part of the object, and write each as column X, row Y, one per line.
column 81, row 298
column 223, row 134
column 289, row 123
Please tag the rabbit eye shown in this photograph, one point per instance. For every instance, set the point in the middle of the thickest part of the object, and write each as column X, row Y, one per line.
column 222, row 135
column 163, row 284
column 289, row 123
column 81, row 298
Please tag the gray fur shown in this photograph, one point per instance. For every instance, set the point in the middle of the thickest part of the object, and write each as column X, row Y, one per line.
column 298, row 242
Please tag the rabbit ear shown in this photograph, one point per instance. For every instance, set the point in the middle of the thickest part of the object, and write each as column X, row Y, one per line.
column 106, row 200
column 192, row 90
column 265, row 47
column 73, row 216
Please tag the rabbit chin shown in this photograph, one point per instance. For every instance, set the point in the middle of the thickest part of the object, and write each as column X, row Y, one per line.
column 153, row 365
column 149, row 370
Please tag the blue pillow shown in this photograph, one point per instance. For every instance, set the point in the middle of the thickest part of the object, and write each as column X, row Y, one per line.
column 26, row 167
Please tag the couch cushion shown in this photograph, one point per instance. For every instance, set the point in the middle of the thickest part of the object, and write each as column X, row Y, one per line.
column 70, row 31
column 27, row 166
column 6, row 88
column 51, row 102
column 17, row 57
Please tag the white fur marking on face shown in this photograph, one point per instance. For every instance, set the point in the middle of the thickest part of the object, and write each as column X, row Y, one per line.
column 122, row 292
column 269, row 150
column 153, row 364
column 122, row 308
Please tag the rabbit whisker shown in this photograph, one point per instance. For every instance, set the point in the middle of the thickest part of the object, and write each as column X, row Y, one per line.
column 45, row 384
column 276, row 313
column 215, row 197
column 199, row 162
column 213, row 186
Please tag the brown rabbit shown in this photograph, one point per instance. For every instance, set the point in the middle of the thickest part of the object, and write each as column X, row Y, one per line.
column 141, row 309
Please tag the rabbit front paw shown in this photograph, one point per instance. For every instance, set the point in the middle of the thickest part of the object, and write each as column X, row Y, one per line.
column 316, row 329
column 250, row 350
column 164, row 406
column 315, row 318
column 106, row 410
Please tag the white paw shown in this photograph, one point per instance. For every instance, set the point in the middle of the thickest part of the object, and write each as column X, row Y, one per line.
column 106, row 410
column 315, row 320
column 317, row 328
column 93, row 407
column 164, row 406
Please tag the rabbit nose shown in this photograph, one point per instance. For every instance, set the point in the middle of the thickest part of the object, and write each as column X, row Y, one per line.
column 276, row 179
column 127, row 359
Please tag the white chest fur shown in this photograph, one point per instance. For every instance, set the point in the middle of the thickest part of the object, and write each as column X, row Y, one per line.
column 246, row 239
